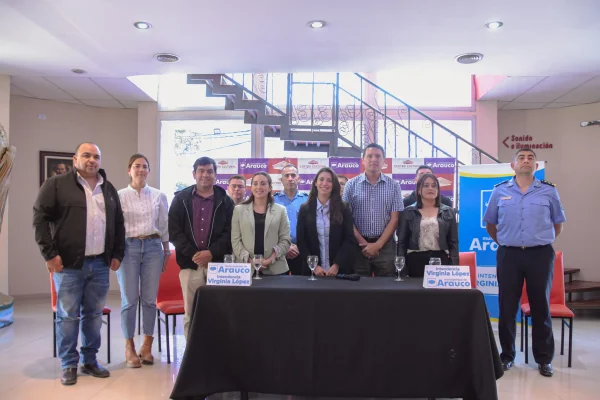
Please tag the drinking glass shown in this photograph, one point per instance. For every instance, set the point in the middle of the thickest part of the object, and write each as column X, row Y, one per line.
column 257, row 261
column 399, row 262
column 435, row 261
column 312, row 264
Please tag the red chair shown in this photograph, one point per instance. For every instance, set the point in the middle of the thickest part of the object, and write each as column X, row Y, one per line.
column 106, row 312
column 169, row 300
column 558, row 309
column 469, row 258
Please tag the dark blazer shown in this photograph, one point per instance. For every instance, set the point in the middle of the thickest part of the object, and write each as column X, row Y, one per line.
column 409, row 230
column 412, row 199
column 60, row 218
column 342, row 243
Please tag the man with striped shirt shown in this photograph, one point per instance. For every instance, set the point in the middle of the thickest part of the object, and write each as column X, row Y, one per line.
column 376, row 202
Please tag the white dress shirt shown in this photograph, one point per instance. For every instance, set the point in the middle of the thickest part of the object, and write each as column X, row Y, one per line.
column 95, row 225
column 145, row 213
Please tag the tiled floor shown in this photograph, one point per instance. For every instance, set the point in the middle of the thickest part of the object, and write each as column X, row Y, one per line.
column 28, row 371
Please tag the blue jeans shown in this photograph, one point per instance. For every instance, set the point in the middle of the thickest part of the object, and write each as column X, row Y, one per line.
column 81, row 296
column 139, row 275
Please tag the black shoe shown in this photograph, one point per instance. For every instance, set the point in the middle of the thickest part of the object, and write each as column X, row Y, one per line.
column 506, row 365
column 69, row 376
column 546, row 370
column 95, row 370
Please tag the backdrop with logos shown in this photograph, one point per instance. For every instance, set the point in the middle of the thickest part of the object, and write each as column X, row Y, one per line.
column 476, row 183
column 403, row 170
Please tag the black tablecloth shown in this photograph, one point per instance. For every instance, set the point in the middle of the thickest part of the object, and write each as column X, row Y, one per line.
column 331, row 337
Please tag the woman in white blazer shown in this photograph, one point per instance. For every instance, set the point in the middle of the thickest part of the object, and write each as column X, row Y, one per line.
column 259, row 226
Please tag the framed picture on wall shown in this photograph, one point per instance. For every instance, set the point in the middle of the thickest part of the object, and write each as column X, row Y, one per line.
column 54, row 163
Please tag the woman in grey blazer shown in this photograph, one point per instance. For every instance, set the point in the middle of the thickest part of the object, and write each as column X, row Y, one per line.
column 259, row 226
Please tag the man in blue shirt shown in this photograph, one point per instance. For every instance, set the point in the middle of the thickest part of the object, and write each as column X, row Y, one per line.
column 524, row 216
column 376, row 202
column 291, row 199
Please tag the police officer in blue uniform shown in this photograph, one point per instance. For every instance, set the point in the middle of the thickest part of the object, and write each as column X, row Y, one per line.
column 524, row 216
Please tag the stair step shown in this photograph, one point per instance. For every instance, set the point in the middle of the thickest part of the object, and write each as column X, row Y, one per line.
column 582, row 286
column 591, row 304
column 571, row 271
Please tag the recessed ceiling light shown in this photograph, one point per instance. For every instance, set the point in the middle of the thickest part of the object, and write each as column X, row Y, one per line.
column 166, row 58
column 468, row 58
column 316, row 24
column 78, row 71
column 494, row 25
column 142, row 25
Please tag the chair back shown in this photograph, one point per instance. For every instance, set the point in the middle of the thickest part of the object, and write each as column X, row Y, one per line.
column 557, row 293
column 52, row 291
column 469, row 258
column 169, row 287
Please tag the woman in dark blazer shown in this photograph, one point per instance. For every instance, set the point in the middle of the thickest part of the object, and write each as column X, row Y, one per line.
column 325, row 228
column 427, row 229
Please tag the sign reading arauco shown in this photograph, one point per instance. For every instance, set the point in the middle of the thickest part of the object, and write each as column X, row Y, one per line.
column 447, row 277
column 220, row 274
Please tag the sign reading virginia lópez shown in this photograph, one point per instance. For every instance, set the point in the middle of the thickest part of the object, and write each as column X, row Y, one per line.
column 220, row 274
column 447, row 277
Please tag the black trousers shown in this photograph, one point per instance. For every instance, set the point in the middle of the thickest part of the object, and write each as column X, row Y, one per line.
column 536, row 266
column 417, row 260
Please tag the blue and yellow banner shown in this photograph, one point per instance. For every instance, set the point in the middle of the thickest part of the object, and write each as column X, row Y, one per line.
column 476, row 183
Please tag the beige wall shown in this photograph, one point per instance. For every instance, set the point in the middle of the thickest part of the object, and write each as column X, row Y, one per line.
column 572, row 164
column 65, row 126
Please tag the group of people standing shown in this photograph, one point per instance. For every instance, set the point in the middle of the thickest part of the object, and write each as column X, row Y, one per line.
column 84, row 227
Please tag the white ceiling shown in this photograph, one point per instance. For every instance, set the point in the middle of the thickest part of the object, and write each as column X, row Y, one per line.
column 48, row 38
column 532, row 92
column 96, row 92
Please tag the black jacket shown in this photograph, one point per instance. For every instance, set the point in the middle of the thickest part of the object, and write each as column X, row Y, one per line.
column 412, row 199
column 60, row 219
column 410, row 228
column 342, row 242
column 181, row 231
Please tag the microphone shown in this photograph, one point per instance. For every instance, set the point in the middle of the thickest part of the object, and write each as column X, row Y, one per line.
column 348, row 277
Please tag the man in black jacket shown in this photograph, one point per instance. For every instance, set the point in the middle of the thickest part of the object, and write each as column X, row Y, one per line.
column 412, row 198
column 81, row 234
column 200, row 229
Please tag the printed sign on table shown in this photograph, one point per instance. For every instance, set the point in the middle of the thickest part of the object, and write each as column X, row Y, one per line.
column 447, row 277
column 220, row 274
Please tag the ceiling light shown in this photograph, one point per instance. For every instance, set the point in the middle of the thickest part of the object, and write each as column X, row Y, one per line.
column 78, row 71
column 469, row 58
column 166, row 58
column 316, row 24
column 142, row 25
column 494, row 25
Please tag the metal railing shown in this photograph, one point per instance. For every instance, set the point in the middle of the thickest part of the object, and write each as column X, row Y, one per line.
column 358, row 112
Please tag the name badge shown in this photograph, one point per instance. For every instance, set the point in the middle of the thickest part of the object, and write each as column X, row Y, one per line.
column 221, row 274
column 447, row 277
column 506, row 198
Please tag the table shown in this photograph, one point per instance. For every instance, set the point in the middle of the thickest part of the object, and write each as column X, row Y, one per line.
column 331, row 337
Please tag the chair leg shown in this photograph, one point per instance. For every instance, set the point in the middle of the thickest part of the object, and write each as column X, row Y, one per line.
column 54, row 333
column 139, row 315
column 522, row 330
column 562, row 336
column 167, row 335
column 108, row 335
column 174, row 324
column 158, row 325
column 570, row 340
column 243, row 395
column 527, row 339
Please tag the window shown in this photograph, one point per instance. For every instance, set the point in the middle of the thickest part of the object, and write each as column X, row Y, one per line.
column 437, row 90
column 274, row 148
column 182, row 142
column 396, row 141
